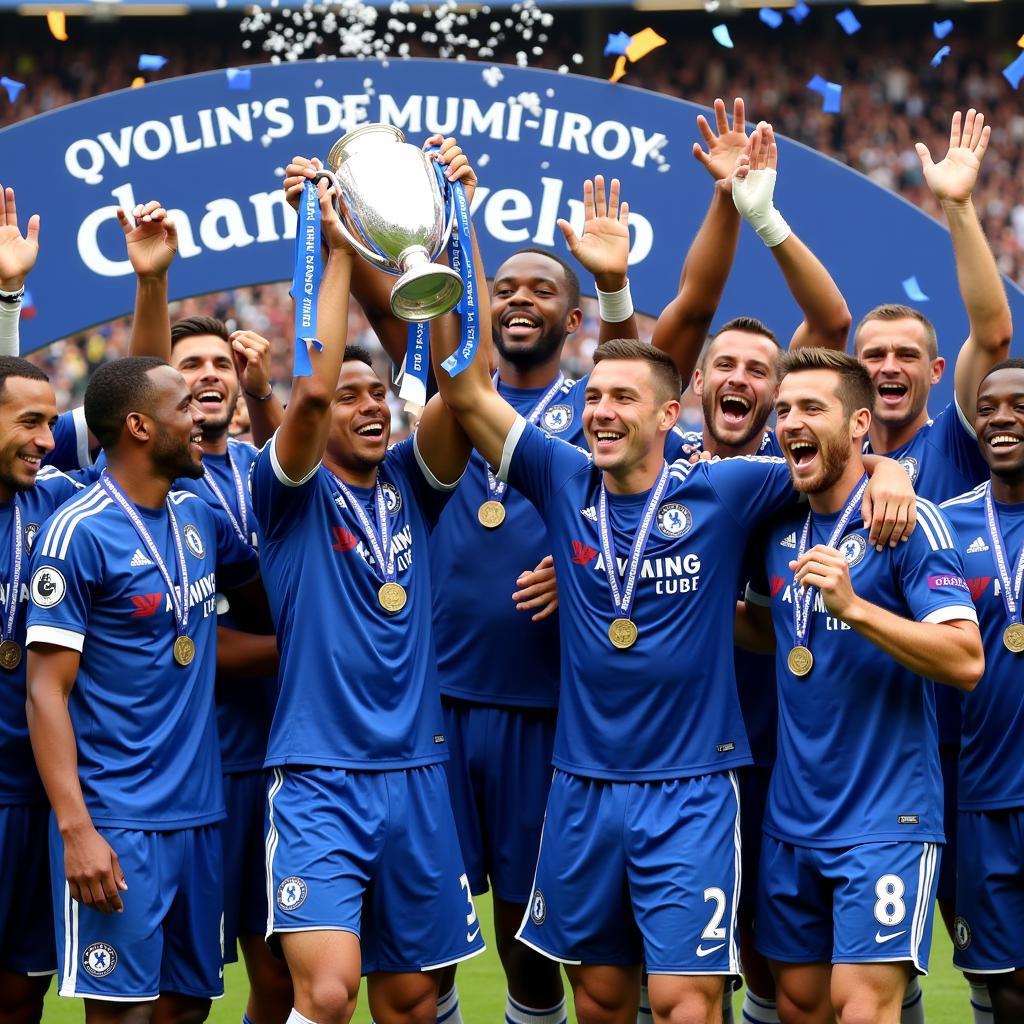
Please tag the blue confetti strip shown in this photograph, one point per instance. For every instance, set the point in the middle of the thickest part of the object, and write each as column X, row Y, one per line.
column 940, row 55
column 1015, row 72
column 151, row 62
column 799, row 11
column 771, row 18
column 849, row 21
column 942, row 28
column 13, row 88
column 913, row 290
column 722, row 37
column 239, row 78
column 833, row 98
column 617, row 44
column 817, row 84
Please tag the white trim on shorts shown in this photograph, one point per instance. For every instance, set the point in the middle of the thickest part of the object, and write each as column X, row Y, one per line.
column 544, row 952
column 270, row 847
column 925, row 877
column 457, row 960
column 734, row 949
column 974, row 970
column 69, row 969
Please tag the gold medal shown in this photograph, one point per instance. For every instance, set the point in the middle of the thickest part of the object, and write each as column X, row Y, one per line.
column 1013, row 639
column 392, row 597
column 10, row 655
column 622, row 633
column 800, row 660
column 184, row 650
column 491, row 514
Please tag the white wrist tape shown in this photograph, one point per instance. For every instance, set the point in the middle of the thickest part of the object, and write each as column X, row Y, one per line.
column 753, row 195
column 615, row 306
column 10, row 313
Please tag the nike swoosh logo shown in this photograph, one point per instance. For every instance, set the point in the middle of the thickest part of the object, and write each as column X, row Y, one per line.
column 879, row 937
column 470, row 936
column 701, row 951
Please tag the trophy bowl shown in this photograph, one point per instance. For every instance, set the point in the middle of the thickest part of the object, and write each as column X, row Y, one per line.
column 393, row 214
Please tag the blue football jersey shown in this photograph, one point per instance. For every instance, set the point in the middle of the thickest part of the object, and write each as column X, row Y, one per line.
column 667, row 706
column 857, row 757
column 144, row 725
column 70, row 442
column 358, row 685
column 245, row 707
column 19, row 783
column 943, row 460
column 991, row 766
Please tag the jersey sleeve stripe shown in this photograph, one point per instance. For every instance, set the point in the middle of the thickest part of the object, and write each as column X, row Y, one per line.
column 428, row 475
column 968, row 497
column 64, row 517
column 279, row 472
column 511, row 440
column 953, row 613
column 72, row 525
column 969, row 427
column 56, row 636
column 928, row 514
column 81, row 437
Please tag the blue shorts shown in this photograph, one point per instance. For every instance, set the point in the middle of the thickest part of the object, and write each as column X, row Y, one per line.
column 639, row 871
column 245, row 861
column 988, row 936
column 499, row 776
column 26, row 910
column 753, row 780
column 169, row 937
column 375, row 854
column 870, row 903
column 949, row 760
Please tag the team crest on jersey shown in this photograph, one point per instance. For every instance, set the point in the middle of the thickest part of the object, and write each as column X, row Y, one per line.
column 538, row 907
column 853, row 547
column 193, row 541
column 99, row 959
column 48, row 586
column 30, row 534
column 674, row 520
column 557, row 418
column 909, row 463
column 291, row 893
column 961, row 932
column 392, row 498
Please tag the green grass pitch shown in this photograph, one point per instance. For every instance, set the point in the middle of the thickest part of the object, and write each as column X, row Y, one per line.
column 482, row 989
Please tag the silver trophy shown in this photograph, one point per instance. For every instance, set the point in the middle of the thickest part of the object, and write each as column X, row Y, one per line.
column 393, row 214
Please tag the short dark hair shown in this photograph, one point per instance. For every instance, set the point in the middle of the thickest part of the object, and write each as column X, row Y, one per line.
column 572, row 282
column 896, row 311
column 855, row 388
column 195, row 326
column 116, row 389
column 15, row 366
column 359, row 354
column 1012, row 363
column 666, row 376
column 748, row 324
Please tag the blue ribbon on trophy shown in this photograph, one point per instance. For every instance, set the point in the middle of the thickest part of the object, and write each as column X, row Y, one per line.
column 306, row 276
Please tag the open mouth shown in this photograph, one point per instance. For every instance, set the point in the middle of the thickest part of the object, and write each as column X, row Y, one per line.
column 210, row 399
column 1002, row 442
column 520, row 324
column 32, row 462
column 802, row 453
column 373, row 431
column 605, row 440
column 892, row 393
column 734, row 408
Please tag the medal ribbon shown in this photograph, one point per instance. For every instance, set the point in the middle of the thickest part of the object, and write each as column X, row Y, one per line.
column 460, row 258
column 496, row 488
column 416, row 366
column 378, row 544
column 305, row 288
column 179, row 602
column 1011, row 588
column 623, row 599
column 242, row 529
column 805, row 597
column 10, row 612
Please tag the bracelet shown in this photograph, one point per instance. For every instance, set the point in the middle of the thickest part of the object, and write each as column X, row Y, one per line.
column 260, row 398
column 12, row 297
column 615, row 306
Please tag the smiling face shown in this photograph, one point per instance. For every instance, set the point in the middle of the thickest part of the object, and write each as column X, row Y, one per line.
column 360, row 419
column 206, row 363
column 736, row 385
column 28, row 411
column 532, row 309
column 999, row 423
column 896, row 354
column 817, row 436
column 177, row 426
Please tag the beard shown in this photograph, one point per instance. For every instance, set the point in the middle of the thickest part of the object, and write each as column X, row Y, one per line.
column 756, row 422
column 173, row 459
column 546, row 346
column 835, row 456
column 215, row 427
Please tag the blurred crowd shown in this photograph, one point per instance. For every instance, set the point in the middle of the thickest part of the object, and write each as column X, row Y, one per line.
column 892, row 97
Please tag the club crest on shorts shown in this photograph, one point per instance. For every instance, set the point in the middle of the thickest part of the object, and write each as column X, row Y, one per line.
column 853, row 547
column 674, row 520
column 392, row 498
column 961, row 932
column 538, row 907
column 99, row 959
column 910, row 465
column 193, row 541
column 291, row 893
column 557, row 418
column 48, row 586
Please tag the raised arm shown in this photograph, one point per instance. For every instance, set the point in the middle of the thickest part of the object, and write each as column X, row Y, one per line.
column 302, row 438
column 684, row 323
column 18, row 254
column 93, row 872
column 826, row 321
column 252, row 361
column 603, row 250
column 152, row 241
column 952, row 181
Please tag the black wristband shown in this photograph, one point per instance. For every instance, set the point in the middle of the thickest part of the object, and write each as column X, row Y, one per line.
column 12, row 297
column 260, row 398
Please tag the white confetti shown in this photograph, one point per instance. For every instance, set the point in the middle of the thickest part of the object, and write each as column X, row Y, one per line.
column 483, row 160
column 492, row 76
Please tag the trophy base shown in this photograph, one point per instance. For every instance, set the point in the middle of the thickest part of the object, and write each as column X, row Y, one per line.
column 426, row 292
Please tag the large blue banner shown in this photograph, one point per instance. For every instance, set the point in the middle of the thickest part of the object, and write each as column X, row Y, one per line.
column 213, row 153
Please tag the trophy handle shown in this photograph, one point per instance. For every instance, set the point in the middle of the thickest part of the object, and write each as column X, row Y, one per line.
column 367, row 254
